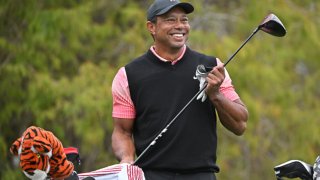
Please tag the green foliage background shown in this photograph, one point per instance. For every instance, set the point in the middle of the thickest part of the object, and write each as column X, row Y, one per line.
column 58, row 59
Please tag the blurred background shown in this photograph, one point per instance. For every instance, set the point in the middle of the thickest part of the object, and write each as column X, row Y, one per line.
column 58, row 59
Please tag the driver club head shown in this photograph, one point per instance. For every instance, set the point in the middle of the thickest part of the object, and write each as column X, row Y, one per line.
column 272, row 25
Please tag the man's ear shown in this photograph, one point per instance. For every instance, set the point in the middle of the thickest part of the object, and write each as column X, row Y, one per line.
column 151, row 27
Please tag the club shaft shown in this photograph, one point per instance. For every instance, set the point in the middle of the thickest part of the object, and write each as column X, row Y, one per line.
column 244, row 43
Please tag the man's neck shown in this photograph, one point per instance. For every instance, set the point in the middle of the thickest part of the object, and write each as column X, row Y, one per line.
column 169, row 54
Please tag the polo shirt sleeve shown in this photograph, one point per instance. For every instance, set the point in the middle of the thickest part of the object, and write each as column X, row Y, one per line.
column 226, row 87
column 122, row 103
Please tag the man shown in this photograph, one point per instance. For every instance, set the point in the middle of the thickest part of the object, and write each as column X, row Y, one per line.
column 149, row 91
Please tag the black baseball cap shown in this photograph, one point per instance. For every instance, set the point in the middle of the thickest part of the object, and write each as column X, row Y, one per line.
column 160, row 7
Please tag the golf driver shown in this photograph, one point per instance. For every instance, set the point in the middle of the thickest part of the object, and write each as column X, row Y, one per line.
column 271, row 25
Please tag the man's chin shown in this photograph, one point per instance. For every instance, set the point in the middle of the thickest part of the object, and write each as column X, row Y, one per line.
column 178, row 45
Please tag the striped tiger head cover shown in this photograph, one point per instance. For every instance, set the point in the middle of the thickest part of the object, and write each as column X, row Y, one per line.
column 41, row 155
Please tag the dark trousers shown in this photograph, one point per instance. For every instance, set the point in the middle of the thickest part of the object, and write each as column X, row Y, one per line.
column 165, row 175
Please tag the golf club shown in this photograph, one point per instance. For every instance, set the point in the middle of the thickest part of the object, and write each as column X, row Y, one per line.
column 271, row 25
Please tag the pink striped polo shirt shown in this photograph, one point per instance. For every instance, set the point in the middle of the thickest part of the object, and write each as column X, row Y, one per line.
column 122, row 104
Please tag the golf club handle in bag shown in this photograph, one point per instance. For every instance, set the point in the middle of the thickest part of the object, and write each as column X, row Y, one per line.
column 298, row 169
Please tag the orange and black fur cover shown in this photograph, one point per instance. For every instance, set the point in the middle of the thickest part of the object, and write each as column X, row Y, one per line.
column 41, row 155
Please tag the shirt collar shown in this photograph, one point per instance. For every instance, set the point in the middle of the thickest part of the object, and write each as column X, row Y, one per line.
column 165, row 60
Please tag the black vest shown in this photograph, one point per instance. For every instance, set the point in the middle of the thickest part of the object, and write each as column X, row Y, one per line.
column 159, row 91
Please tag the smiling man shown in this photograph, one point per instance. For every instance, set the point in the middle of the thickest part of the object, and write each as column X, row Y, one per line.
column 150, row 90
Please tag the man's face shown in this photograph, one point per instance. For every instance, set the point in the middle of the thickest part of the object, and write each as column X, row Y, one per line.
column 171, row 30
